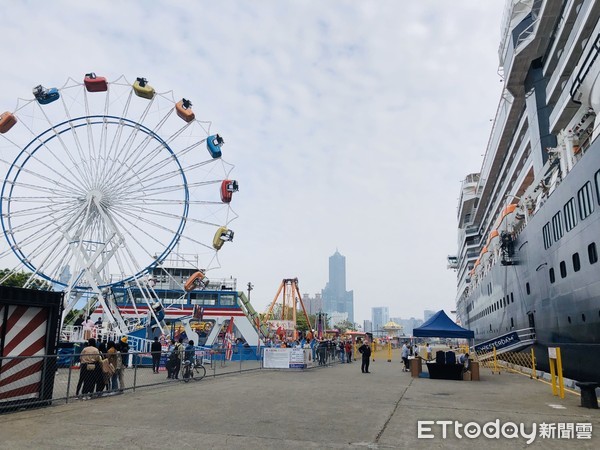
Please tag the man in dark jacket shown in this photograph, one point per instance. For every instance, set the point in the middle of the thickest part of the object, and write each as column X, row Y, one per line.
column 365, row 351
column 155, row 348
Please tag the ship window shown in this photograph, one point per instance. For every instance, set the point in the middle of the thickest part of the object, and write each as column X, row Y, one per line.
column 551, row 272
column 527, row 288
column 512, row 323
column 512, row 298
column 569, row 319
column 547, row 236
column 570, row 215
column 563, row 269
column 557, row 229
column 576, row 262
column 592, row 253
column 584, row 199
column 583, row 317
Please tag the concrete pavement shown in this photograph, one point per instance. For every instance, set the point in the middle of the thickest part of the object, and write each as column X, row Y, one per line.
column 335, row 407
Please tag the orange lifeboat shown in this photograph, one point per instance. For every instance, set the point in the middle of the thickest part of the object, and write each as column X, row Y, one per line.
column 197, row 280
column 184, row 110
column 7, row 121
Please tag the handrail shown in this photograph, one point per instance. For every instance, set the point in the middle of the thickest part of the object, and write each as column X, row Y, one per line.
column 579, row 79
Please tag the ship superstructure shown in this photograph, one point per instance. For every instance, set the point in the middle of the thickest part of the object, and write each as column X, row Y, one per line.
column 529, row 221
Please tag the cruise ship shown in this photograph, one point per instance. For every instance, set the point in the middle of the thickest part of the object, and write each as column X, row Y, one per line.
column 529, row 222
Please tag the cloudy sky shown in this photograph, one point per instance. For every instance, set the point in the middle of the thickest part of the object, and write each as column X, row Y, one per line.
column 351, row 123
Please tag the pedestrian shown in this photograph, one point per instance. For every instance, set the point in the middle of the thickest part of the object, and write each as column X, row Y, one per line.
column 348, row 348
column 404, row 354
column 365, row 351
column 113, row 358
column 90, row 366
column 124, row 349
column 155, row 348
column 120, row 367
column 88, row 326
column 428, row 354
column 78, row 328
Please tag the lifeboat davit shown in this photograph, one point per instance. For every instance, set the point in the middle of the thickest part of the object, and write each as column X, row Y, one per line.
column 94, row 83
column 222, row 235
column 184, row 110
column 228, row 187
column 7, row 121
column 197, row 280
column 142, row 88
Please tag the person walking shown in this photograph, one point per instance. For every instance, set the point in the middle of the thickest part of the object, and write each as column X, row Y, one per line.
column 348, row 348
column 404, row 354
column 365, row 351
column 155, row 348
column 90, row 365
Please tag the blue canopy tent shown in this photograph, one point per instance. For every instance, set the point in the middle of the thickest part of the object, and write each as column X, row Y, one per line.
column 440, row 325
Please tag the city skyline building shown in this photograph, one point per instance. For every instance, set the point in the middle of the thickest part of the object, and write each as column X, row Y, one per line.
column 380, row 315
column 334, row 296
column 367, row 326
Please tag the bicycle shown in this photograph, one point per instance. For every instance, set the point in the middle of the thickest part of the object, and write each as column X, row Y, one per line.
column 194, row 371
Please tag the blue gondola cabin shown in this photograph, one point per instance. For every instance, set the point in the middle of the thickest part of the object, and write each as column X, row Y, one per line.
column 214, row 143
column 45, row 96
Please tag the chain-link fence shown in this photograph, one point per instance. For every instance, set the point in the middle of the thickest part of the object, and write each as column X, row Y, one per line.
column 43, row 380
column 521, row 362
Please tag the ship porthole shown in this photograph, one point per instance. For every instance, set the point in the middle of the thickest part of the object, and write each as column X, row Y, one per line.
column 569, row 319
column 583, row 317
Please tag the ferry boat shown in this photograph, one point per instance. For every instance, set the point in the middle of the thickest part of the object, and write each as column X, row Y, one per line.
column 529, row 222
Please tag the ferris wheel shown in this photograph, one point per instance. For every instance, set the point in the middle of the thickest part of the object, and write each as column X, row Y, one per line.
column 104, row 180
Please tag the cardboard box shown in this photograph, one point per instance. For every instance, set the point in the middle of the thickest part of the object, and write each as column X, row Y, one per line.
column 467, row 375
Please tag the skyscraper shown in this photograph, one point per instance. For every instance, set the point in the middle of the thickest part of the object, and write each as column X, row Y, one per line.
column 335, row 297
column 380, row 315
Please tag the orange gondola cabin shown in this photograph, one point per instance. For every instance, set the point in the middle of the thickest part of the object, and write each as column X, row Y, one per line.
column 184, row 110
column 7, row 121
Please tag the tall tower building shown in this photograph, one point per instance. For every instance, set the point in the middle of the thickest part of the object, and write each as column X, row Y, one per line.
column 380, row 315
column 335, row 297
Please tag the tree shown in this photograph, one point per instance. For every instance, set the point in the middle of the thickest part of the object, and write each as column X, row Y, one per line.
column 344, row 326
column 18, row 279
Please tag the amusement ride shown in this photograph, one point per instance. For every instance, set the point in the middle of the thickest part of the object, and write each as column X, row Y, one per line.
column 105, row 181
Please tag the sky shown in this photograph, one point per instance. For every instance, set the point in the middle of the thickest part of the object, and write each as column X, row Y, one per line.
column 350, row 124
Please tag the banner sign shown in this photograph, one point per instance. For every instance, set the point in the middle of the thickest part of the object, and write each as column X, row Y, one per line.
column 285, row 358
column 499, row 342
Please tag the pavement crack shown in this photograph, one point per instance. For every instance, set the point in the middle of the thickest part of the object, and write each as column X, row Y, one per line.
column 392, row 413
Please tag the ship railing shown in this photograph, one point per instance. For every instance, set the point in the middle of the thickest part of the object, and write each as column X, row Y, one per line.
column 585, row 68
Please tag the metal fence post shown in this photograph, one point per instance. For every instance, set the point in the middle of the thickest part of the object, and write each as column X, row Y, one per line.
column 134, row 371
column 69, row 382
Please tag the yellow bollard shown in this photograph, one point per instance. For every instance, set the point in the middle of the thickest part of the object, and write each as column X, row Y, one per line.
column 354, row 352
column 533, row 371
column 556, row 371
column 389, row 351
column 373, row 349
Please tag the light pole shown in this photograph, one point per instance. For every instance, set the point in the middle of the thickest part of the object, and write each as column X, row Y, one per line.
column 250, row 287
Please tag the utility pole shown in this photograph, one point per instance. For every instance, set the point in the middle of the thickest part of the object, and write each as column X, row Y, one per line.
column 250, row 287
